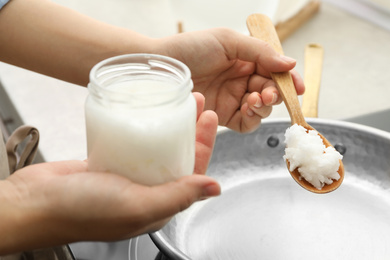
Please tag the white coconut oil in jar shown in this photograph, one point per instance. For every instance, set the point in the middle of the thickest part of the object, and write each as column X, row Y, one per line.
column 141, row 118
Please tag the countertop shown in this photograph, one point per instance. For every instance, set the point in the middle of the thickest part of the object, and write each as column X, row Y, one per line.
column 355, row 79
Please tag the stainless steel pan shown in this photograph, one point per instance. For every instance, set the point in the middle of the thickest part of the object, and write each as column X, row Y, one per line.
column 264, row 214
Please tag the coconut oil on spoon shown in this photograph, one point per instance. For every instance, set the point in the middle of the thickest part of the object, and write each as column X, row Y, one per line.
column 261, row 27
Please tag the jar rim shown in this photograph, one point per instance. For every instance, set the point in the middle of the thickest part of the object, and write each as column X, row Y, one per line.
column 182, row 70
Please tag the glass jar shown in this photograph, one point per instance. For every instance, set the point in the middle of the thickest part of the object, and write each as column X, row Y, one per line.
column 141, row 118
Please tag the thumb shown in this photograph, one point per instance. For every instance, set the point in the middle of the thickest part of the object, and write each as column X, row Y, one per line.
column 171, row 198
column 260, row 52
column 264, row 55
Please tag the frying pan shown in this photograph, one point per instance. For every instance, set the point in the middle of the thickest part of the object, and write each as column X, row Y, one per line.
column 264, row 214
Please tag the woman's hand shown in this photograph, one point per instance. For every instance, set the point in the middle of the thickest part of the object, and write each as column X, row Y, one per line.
column 232, row 71
column 61, row 202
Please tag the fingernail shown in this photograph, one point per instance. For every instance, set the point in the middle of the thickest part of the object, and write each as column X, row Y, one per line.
column 249, row 112
column 274, row 98
column 258, row 103
column 211, row 190
column 287, row 59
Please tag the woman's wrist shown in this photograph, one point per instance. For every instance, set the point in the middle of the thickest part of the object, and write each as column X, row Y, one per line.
column 22, row 219
column 9, row 218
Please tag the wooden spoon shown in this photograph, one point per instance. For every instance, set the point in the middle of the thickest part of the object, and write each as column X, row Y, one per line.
column 314, row 55
column 261, row 27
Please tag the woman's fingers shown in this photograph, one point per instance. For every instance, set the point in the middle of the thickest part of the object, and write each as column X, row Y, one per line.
column 200, row 101
column 168, row 199
column 206, row 130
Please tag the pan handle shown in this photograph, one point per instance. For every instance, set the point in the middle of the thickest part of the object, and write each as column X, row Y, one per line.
column 314, row 55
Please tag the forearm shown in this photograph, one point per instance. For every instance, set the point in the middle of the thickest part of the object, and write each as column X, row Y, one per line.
column 53, row 40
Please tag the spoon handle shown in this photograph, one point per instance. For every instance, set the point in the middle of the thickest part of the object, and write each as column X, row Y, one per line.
column 261, row 27
column 314, row 55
